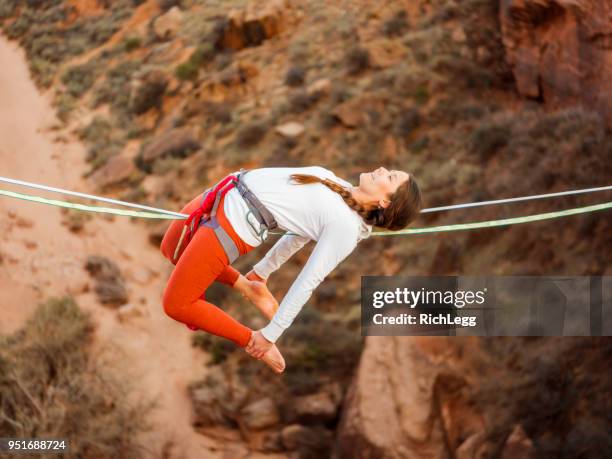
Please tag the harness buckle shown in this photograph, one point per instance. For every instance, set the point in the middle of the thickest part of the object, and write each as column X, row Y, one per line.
column 261, row 230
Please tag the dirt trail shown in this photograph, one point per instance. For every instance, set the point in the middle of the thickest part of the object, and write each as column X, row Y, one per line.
column 41, row 258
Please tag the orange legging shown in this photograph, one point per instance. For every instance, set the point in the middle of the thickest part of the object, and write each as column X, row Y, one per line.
column 200, row 263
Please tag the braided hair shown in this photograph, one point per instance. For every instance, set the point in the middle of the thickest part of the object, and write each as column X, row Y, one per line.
column 404, row 208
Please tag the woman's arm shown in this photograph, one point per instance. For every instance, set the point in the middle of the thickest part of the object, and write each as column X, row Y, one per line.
column 337, row 241
column 280, row 252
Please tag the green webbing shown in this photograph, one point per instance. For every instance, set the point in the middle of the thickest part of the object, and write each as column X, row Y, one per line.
column 492, row 223
column 85, row 208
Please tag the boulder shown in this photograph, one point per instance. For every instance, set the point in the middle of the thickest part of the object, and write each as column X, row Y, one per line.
column 117, row 170
column 360, row 110
column 260, row 414
column 252, row 25
column 217, row 399
column 319, row 87
column 168, row 24
column 290, row 130
column 402, row 402
column 174, row 142
column 349, row 113
column 560, row 51
column 319, row 407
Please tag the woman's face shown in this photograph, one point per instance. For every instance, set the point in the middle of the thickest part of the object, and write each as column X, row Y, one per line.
column 381, row 183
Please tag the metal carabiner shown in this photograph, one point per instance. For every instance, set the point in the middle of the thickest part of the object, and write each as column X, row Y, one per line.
column 262, row 232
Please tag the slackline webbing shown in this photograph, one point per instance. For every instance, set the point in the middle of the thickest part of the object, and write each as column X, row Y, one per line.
column 463, row 226
column 180, row 215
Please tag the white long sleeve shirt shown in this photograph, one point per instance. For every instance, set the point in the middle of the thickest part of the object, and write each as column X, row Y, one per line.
column 313, row 212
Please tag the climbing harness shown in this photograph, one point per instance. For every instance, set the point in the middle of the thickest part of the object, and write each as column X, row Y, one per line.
column 258, row 217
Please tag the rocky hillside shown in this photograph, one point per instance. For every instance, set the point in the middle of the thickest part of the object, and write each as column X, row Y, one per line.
column 480, row 99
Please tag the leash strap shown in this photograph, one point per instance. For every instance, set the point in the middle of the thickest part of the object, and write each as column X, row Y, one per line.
column 210, row 202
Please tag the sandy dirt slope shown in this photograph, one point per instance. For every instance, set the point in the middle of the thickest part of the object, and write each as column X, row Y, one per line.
column 42, row 258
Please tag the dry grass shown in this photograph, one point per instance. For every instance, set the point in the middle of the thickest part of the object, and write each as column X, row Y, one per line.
column 51, row 387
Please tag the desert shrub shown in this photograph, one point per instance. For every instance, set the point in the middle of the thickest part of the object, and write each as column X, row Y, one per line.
column 327, row 120
column 454, row 110
column 41, row 36
column 340, row 93
column 132, row 42
column 383, row 79
column 98, row 154
column 464, row 72
column 488, row 138
column 136, row 193
column 346, row 26
column 407, row 121
column 166, row 165
column 221, row 112
column 565, row 125
column 421, row 95
column 203, row 53
column 419, row 144
column 396, row 25
column 556, row 389
column 103, row 141
column 47, row 47
column 295, row 76
column 80, row 78
column 357, row 60
column 251, row 134
column 187, row 71
column 51, row 386
column 98, row 130
column 7, row 7
column 299, row 51
column 115, row 89
column 190, row 69
column 64, row 104
column 75, row 220
column 407, row 80
column 98, row 29
column 574, row 143
column 42, row 71
column 216, row 112
column 316, row 346
column 47, row 42
column 301, row 100
column 223, row 60
column 150, row 92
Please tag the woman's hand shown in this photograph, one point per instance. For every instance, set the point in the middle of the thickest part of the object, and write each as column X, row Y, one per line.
column 251, row 275
column 258, row 345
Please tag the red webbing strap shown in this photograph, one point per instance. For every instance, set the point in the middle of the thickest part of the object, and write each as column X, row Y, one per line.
column 193, row 221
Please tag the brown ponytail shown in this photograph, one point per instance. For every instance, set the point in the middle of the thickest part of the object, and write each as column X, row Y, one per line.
column 404, row 208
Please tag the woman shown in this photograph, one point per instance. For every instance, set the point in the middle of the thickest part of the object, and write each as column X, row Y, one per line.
column 330, row 211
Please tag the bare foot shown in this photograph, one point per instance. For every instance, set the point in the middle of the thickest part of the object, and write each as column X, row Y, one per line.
column 257, row 293
column 273, row 358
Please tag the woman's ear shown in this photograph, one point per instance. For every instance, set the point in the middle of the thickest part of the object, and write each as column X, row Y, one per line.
column 383, row 203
